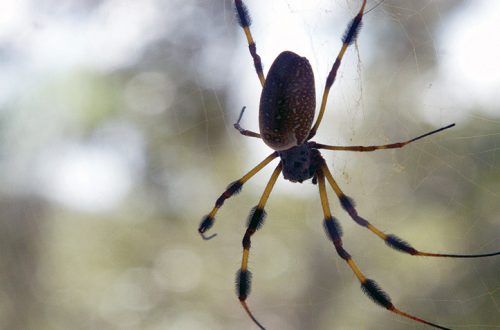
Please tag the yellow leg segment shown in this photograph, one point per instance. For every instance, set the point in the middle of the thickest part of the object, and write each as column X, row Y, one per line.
column 370, row 287
column 208, row 220
column 348, row 39
column 256, row 218
column 251, row 44
column 348, row 205
column 391, row 240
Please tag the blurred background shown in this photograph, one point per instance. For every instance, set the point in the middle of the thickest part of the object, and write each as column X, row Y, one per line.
column 116, row 138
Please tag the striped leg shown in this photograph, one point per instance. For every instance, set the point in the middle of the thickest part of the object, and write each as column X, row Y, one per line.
column 391, row 240
column 379, row 147
column 255, row 221
column 245, row 22
column 370, row 287
column 235, row 187
column 348, row 38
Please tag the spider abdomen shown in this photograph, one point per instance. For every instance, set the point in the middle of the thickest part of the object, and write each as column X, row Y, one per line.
column 287, row 102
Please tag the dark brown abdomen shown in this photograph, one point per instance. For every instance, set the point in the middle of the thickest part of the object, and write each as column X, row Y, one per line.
column 287, row 102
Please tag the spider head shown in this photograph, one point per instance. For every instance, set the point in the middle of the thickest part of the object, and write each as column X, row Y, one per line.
column 300, row 162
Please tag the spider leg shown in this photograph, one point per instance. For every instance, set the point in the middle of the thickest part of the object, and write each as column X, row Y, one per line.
column 255, row 221
column 349, row 37
column 245, row 21
column 242, row 130
column 391, row 240
column 370, row 287
column 379, row 147
column 235, row 187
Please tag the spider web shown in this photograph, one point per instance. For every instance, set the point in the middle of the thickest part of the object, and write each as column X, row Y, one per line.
column 117, row 137
column 399, row 80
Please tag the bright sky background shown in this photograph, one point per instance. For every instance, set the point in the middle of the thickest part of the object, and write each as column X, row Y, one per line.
column 44, row 43
column 472, row 61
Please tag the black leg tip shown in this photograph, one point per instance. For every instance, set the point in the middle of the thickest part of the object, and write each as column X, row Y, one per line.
column 234, row 187
column 346, row 202
column 206, row 223
column 332, row 229
column 242, row 13
column 398, row 244
column 256, row 218
column 371, row 288
column 352, row 30
column 243, row 283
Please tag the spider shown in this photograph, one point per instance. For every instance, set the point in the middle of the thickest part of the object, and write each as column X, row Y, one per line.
column 286, row 114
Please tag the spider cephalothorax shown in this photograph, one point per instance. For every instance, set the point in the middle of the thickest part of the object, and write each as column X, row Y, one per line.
column 286, row 114
column 300, row 163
